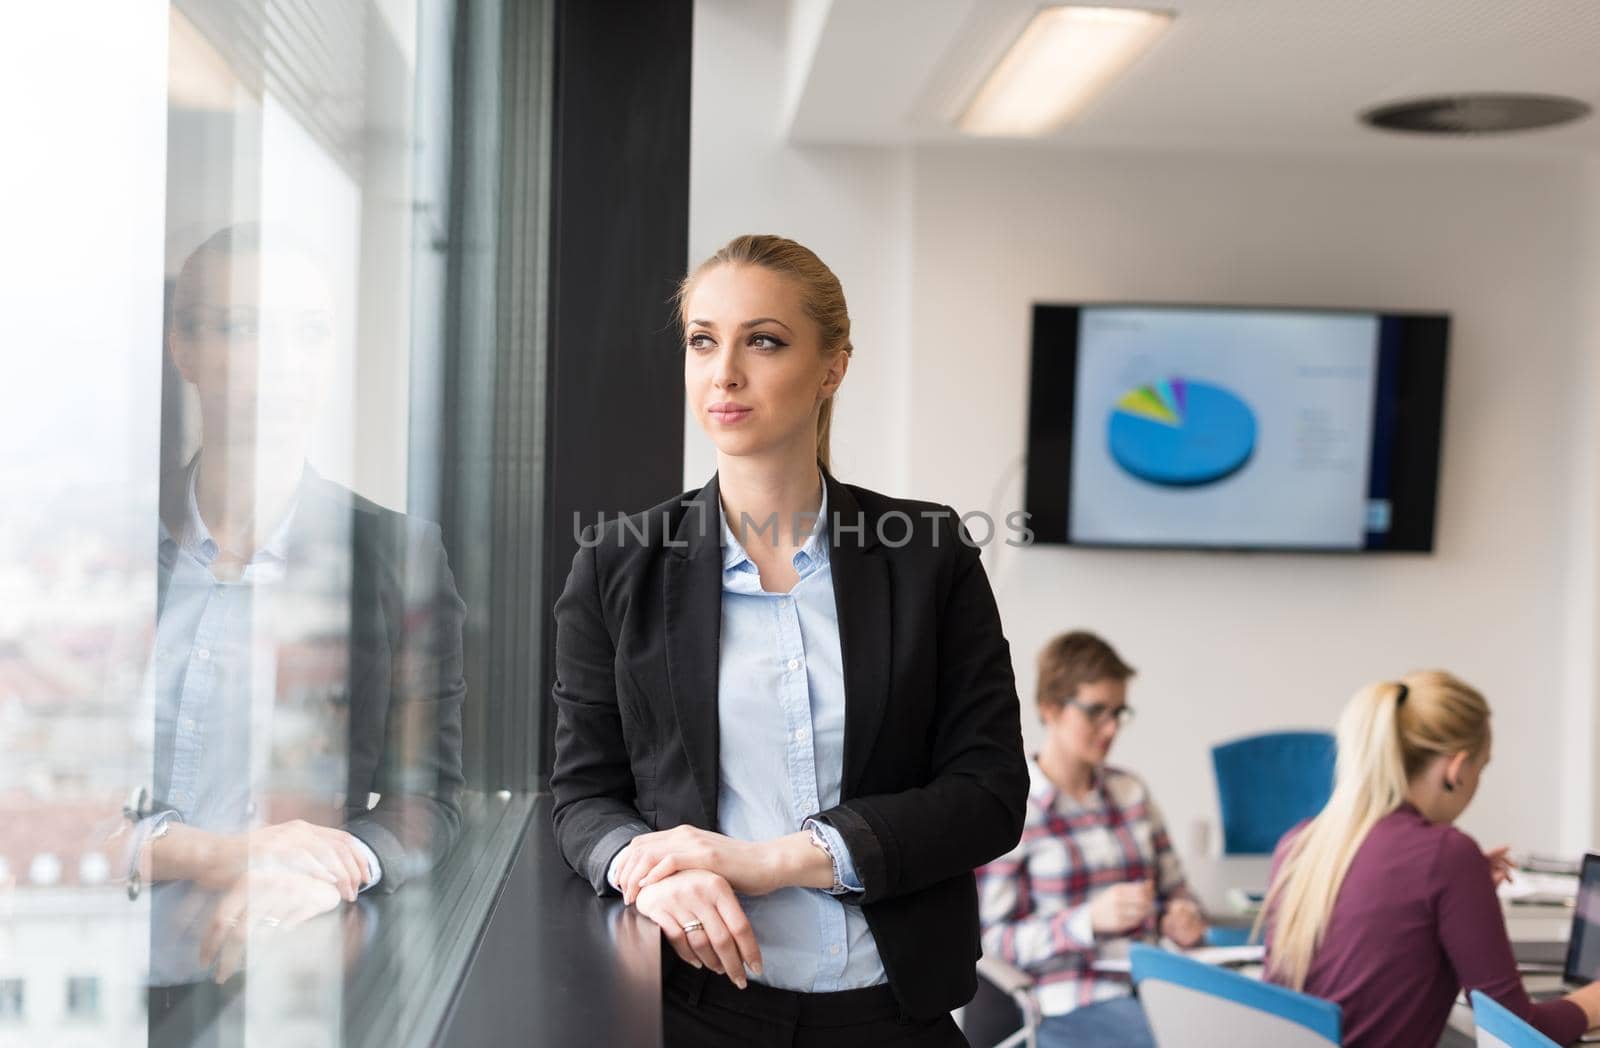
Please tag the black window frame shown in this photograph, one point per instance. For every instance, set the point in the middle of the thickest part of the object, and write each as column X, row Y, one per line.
column 570, row 196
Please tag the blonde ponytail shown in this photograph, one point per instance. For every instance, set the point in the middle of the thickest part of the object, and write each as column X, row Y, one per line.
column 1387, row 734
column 824, row 429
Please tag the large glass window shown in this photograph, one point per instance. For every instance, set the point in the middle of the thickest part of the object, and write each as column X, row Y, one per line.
column 254, row 764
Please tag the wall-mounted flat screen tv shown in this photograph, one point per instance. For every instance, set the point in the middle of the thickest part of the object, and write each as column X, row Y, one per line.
column 1207, row 427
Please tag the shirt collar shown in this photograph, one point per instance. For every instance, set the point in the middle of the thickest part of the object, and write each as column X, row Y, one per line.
column 1041, row 791
column 196, row 538
column 814, row 550
column 1045, row 794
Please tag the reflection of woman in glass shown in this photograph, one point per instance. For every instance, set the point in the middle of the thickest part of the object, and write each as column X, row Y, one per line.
column 307, row 672
column 788, row 728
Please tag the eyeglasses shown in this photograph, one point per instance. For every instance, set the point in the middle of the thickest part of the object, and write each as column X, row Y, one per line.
column 1097, row 712
column 251, row 324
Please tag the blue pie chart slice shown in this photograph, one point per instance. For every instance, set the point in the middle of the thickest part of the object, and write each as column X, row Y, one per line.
column 1208, row 438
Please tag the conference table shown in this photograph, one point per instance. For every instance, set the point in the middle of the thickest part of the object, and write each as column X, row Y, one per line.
column 1537, row 931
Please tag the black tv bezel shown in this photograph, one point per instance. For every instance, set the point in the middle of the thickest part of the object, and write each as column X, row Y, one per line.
column 1415, row 464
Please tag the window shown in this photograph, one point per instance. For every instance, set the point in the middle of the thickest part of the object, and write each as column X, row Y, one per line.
column 83, row 997
column 265, row 557
column 11, row 1000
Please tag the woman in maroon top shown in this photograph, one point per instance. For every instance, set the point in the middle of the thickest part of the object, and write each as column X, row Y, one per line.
column 1380, row 904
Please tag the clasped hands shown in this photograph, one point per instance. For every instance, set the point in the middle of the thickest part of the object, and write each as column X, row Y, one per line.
column 270, row 879
column 264, row 901
column 687, row 881
column 1125, row 908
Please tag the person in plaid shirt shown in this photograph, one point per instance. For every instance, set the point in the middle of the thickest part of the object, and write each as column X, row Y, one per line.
column 1094, row 866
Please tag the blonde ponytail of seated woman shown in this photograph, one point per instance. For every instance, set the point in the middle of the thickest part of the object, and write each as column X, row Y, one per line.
column 1387, row 735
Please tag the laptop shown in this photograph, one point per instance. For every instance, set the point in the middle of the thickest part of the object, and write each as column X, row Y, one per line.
column 1582, row 964
column 1580, row 956
column 1583, row 945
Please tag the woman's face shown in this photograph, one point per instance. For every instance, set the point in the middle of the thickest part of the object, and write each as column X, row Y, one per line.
column 753, row 366
column 255, row 336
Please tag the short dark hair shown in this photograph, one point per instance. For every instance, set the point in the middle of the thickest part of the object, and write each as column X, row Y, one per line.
column 1072, row 660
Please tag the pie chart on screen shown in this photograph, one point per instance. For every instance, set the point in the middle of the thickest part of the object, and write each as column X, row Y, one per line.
column 1179, row 433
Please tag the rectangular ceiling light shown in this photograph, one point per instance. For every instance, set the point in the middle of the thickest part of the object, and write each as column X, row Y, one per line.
column 1063, row 59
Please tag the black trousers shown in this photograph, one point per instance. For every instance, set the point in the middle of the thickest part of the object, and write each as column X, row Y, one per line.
column 700, row 1009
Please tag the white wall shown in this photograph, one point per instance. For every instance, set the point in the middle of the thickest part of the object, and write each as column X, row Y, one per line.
column 1581, row 725
column 1230, row 643
column 852, row 206
column 1225, row 643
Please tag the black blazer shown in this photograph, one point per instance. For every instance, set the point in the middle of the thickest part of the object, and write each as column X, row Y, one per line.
column 935, row 780
column 384, row 683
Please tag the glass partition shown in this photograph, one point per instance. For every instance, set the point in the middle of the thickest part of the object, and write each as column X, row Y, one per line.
column 246, row 627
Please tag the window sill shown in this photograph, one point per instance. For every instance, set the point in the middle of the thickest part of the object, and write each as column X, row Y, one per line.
column 401, row 988
column 506, row 945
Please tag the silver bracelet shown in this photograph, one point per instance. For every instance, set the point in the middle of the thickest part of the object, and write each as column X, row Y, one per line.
column 833, row 860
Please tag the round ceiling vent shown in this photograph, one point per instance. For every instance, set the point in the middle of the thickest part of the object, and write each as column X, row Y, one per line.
column 1476, row 114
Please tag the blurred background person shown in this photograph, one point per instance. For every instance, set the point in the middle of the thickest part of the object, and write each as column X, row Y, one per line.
column 1095, row 866
column 1380, row 904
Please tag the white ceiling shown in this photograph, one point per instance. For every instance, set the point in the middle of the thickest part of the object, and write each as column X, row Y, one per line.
column 1229, row 74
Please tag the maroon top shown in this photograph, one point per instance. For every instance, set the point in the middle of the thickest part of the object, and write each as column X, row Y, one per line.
column 1417, row 920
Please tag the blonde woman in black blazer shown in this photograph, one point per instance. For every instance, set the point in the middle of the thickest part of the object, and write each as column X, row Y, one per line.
column 788, row 745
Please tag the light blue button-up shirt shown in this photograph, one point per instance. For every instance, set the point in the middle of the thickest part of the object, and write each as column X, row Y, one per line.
column 213, row 670
column 780, row 716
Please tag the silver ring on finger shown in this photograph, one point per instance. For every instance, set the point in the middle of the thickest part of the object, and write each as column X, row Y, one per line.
column 692, row 926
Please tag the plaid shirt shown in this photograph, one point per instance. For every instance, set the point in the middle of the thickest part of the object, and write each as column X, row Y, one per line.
column 1034, row 900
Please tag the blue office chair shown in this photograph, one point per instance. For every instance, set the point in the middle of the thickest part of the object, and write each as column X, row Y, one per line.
column 1267, row 783
column 1227, row 935
column 1190, row 1004
column 1499, row 1028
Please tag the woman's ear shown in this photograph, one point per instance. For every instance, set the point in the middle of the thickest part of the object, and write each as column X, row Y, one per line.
column 1454, row 767
column 181, row 349
column 833, row 378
